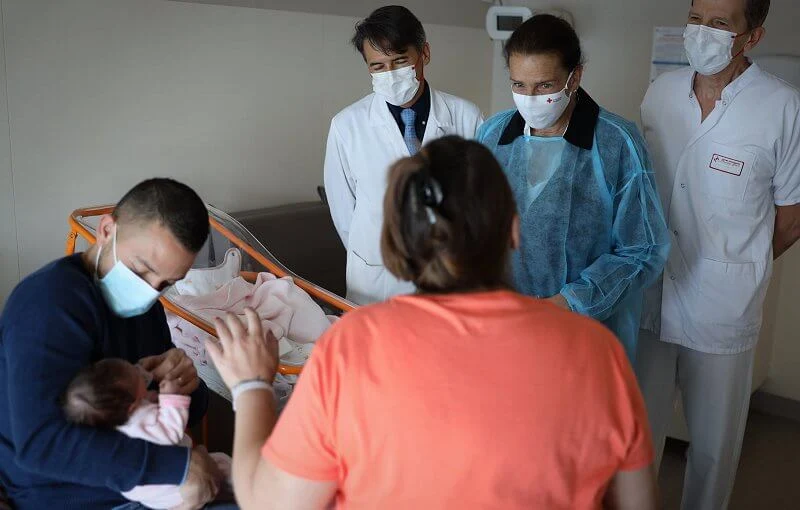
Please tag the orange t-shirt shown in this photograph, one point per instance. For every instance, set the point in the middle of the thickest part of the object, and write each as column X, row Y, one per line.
column 490, row 400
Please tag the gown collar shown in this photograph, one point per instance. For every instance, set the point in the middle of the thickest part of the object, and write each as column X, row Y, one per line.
column 580, row 132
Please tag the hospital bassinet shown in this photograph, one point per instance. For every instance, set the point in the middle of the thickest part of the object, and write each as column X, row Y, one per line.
column 226, row 233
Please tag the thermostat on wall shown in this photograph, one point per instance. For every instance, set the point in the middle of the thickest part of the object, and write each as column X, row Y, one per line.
column 501, row 21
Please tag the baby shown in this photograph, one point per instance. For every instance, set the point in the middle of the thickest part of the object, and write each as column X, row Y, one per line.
column 112, row 393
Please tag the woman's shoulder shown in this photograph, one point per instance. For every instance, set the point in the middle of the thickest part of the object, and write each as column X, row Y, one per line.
column 617, row 135
column 495, row 124
column 610, row 123
column 500, row 119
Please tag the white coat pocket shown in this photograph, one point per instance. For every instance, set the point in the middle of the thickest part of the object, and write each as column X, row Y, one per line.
column 732, row 293
column 726, row 170
column 364, row 280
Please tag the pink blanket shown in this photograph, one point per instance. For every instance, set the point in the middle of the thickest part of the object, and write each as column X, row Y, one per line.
column 283, row 307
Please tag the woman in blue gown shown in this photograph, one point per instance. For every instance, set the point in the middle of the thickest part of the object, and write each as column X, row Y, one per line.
column 593, row 232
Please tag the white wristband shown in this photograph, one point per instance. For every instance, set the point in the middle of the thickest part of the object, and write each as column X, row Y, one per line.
column 252, row 385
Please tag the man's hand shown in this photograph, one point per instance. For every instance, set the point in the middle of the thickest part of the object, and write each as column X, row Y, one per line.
column 787, row 229
column 169, row 387
column 559, row 300
column 202, row 482
column 174, row 365
column 243, row 354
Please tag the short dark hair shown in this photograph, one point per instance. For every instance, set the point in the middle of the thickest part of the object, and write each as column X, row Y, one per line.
column 170, row 203
column 467, row 245
column 545, row 33
column 390, row 29
column 99, row 395
column 755, row 12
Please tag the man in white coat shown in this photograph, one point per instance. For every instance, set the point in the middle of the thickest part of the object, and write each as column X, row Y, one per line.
column 366, row 138
column 725, row 141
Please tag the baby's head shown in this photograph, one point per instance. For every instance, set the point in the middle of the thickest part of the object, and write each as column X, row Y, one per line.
column 105, row 393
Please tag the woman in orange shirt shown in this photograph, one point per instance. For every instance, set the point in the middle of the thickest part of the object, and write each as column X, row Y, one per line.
column 464, row 395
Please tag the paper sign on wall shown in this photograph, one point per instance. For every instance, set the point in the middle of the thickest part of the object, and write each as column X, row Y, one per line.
column 668, row 51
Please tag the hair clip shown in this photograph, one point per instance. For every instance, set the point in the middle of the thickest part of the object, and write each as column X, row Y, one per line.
column 431, row 215
column 430, row 194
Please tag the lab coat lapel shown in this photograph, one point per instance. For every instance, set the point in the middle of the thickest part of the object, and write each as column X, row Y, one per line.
column 440, row 119
column 721, row 107
column 381, row 120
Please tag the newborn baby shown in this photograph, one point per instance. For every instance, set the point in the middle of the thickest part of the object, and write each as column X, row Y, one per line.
column 112, row 393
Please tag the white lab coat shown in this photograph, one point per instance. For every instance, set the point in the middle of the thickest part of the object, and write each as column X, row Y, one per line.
column 363, row 142
column 720, row 181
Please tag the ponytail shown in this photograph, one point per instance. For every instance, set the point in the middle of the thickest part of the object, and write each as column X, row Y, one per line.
column 441, row 228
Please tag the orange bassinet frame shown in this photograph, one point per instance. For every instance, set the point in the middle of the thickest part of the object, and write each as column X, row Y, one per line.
column 79, row 228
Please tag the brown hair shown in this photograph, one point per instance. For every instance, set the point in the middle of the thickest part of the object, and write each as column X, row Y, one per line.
column 448, row 217
column 100, row 395
column 755, row 12
column 546, row 34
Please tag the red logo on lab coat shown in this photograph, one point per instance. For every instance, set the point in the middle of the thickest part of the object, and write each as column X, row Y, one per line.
column 726, row 165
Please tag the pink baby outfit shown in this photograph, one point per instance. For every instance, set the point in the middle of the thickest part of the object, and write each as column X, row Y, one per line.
column 164, row 424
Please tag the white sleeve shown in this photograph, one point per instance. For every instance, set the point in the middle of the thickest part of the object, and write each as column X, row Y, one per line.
column 163, row 424
column 474, row 122
column 786, row 183
column 339, row 185
column 644, row 109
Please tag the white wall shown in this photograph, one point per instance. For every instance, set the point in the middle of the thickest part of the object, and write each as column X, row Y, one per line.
column 467, row 13
column 9, row 259
column 234, row 101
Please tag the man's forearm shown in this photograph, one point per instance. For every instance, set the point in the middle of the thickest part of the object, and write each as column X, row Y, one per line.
column 781, row 242
column 787, row 229
column 255, row 419
column 114, row 460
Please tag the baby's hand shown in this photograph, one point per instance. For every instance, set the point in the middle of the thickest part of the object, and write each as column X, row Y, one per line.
column 169, row 387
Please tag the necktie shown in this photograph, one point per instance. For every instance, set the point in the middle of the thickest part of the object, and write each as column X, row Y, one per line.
column 409, row 117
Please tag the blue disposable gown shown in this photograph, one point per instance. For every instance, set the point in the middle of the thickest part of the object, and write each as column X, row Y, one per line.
column 591, row 221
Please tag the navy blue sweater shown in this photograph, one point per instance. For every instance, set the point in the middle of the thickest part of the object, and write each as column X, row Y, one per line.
column 55, row 323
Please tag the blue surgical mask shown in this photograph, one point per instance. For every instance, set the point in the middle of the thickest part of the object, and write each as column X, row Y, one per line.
column 125, row 292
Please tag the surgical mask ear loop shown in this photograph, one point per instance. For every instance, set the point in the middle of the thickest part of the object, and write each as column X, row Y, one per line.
column 100, row 250
column 566, row 87
column 97, row 261
column 743, row 47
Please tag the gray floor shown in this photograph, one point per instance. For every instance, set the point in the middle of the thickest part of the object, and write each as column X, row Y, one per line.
column 769, row 470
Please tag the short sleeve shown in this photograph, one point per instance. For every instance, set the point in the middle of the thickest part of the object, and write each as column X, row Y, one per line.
column 302, row 442
column 639, row 452
column 786, row 183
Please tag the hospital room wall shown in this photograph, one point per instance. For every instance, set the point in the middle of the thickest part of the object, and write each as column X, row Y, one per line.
column 234, row 101
column 9, row 257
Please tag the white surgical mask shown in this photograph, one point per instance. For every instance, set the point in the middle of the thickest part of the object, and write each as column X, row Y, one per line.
column 397, row 87
column 542, row 112
column 125, row 292
column 708, row 49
